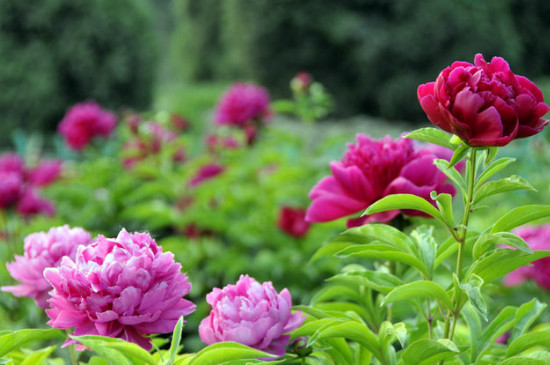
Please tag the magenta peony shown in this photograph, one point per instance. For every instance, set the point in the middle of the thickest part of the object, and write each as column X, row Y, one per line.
column 43, row 250
column 485, row 104
column 10, row 188
column 242, row 104
column 292, row 221
column 11, row 162
column 85, row 121
column 123, row 287
column 538, row 238
column 45, row 173
column 252, row 314
column 206, row 172
column 32, row 203
column 371, row 170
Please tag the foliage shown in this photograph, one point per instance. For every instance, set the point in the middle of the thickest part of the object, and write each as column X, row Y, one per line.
column 57, row 53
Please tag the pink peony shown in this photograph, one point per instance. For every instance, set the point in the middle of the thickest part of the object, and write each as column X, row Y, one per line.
column 43, row 250
column 123, row 287
column 485, row 104
column 242, row 104
column 85, row 121
column 45, row 173
column 293, row 221
column 10, row 188
column 32, row 203
column 252, row 314
column 371, row 170
column 215, row 142
column 206, row 172
column 11, row 162
column 538, row 238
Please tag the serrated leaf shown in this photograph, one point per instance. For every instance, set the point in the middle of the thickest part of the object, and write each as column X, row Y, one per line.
column 502, row 261
column 502, row 238
column 416, row 290
column 17, row 339
column 492, row 169
column 427, row 351
column 519, row 216
column 223, row 352
column 432, row 135
column 511, row 183
column 116, row 350
column 404, row 201
column 527, row 341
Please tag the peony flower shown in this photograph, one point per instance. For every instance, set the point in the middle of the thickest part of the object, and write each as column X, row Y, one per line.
column 32, row 203
column 292, row 221
column 485, row 104
column 85, row 121
column 215, row 142
column 10, row 188
column 123, row 287
column 300, row 82
column 45, row 173
column 11, row 162
column 43, row 250
column 206, row 172
column 242, row 104
column 252, row 314
column 371, row 170
column 538, row 238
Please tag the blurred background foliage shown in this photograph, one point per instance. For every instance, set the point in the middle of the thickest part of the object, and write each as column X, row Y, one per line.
column 371, row 54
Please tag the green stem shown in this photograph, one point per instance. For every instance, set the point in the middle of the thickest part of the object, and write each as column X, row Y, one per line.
column 72, row 352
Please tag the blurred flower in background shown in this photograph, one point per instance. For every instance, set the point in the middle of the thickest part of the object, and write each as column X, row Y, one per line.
column 292, row 221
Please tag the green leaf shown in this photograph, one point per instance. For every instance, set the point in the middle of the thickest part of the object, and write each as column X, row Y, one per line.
column 416, row 290
column 502, row 238
column 223, row 352
column 490, row 155
column 378, row 232
column 526, row 315
column 522, row 360
column 404, row 201
column 283, row 106
column 471, row 317
column 432, row 135
column 511, row 183
column 426, row 351
column 379, row 281
column 427, row 247
column 17, row 339
column 37, row 357
column 459, row 154
column 502, row 323
column 389, row 333
column 379, row 251
column 116, row 350
column 351, row 330
column 473, row 289
column 329, row 249
column 529, row 340
column 492, row 169
column 519, row 216
column 502, row 261
column 444, row 203
column 311, row 327
column 452, row 173
column 176, row 339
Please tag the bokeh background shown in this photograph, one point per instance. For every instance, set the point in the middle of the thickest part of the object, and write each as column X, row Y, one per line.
column 179, row 55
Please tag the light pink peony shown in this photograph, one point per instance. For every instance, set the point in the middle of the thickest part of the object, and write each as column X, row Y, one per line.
column 242, row 104
column 43, row 250
column 85, row 121
column 123, row 287
column 538, row 238
column 485, row 104
column 252, row 314
column 371, row 170
column 292, row 221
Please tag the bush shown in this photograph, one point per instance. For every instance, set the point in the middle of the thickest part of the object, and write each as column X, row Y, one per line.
column 60, row 52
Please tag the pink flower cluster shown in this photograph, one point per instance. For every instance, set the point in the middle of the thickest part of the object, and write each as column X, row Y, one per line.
column 83, row 122
column 43, row 250
column 485, row 104
column 538, row 238
column 19, row 185
column 123, row 287
column 252, row 314
column 371, row 170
